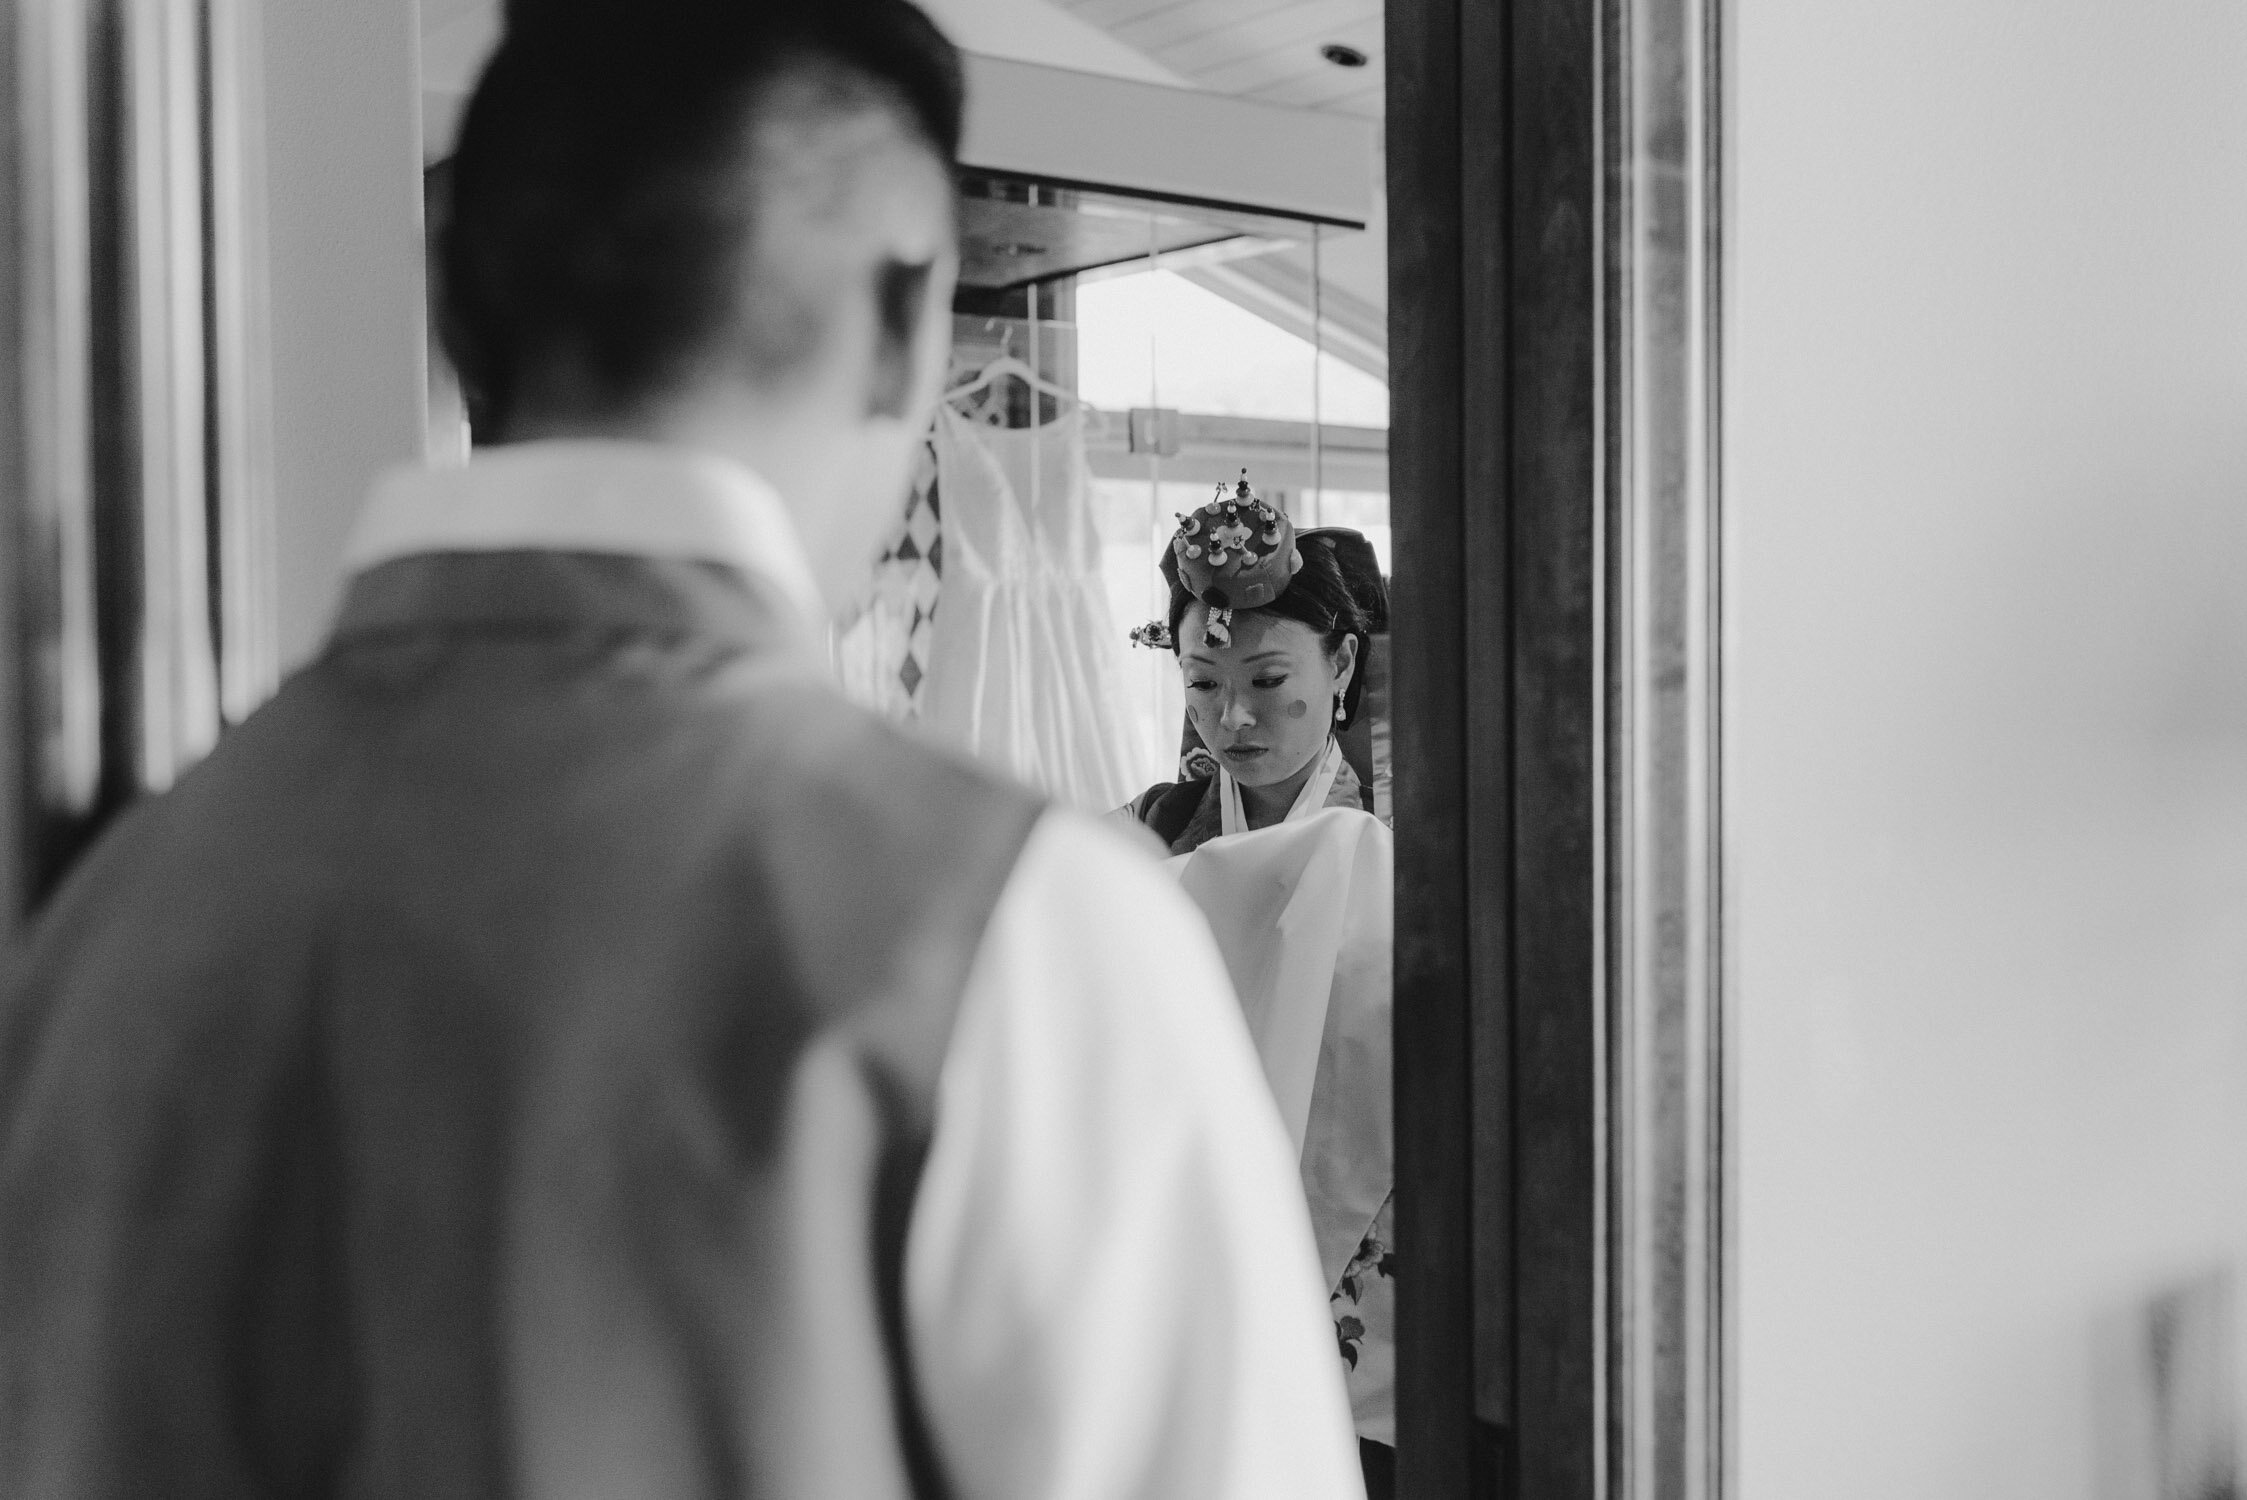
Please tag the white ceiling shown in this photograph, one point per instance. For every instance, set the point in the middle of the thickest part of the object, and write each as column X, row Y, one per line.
column 1268, row 50
column 1256, row 49
column 456, row 36
column 1037, row 31
column 1265, row 50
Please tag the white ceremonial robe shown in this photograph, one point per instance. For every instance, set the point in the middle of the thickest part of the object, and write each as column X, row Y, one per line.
column 1302, row 911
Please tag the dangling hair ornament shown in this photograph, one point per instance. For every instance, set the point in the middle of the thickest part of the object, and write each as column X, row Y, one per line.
column 1154, row 634
column 1237, row 552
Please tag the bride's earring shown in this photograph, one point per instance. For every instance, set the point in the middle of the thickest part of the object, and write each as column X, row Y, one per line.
column 1338, row 715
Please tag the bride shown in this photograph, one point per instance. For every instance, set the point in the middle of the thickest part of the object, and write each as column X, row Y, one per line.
column 1272, row 646
column 1272, row 834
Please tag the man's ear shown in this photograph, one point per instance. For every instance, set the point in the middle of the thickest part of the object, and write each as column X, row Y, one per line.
column 901, row 294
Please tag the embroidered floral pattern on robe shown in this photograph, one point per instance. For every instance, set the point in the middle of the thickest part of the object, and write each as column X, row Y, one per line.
column 1364, row 1298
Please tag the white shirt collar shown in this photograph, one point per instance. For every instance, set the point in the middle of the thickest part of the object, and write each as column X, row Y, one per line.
column 591, row 495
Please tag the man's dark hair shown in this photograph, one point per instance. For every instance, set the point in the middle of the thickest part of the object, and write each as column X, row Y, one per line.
column 599, row 202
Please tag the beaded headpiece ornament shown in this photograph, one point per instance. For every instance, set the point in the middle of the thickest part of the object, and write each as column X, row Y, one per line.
column 1236, row 552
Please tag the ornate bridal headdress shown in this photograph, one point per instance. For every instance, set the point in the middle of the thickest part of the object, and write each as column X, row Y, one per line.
column 1236, row 552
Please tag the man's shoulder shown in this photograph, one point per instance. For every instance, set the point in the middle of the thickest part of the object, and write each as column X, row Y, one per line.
column 830, row 798
column 1093, row 849
column 1106, row 887
column 221, row 817
column 823, row 748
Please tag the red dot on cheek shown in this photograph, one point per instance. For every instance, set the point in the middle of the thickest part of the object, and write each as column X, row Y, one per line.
column 1298, row 709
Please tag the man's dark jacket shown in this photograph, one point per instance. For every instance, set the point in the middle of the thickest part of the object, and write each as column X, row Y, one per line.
column 503, row 1068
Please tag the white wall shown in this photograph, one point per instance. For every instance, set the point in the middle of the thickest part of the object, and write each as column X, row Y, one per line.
column 343, row 165
column 1987, row 447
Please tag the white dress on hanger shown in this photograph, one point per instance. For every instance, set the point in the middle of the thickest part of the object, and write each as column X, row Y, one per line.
column 1025, row 670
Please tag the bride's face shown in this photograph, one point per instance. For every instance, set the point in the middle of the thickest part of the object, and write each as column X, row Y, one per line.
column 1264, row 704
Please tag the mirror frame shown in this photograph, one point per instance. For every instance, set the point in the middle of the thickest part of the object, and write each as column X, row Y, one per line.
column 1563, row 1144
column 1555, row 228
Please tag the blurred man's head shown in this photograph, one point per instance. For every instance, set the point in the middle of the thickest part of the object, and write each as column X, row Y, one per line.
column 729, row 224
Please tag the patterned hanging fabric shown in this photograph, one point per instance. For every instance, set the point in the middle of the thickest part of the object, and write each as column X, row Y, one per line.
column 882, row 657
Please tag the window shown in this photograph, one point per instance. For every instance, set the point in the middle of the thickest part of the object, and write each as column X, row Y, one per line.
column 1247, row 393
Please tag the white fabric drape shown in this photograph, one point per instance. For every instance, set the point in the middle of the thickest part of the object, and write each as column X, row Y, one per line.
column 1302, row 913
column 1025, row 668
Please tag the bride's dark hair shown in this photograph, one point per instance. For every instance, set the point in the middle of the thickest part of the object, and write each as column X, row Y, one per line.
column 1339, row 593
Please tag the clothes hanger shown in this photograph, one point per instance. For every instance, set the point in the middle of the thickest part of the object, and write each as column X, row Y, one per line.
column 1005, row 365
column 971, row 351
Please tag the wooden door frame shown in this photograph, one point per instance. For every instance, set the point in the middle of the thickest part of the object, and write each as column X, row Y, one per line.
column 1553, row 198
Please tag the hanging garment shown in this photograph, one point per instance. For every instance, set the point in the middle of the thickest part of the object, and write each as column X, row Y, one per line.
column 1025, row 668
column 1302, row 913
